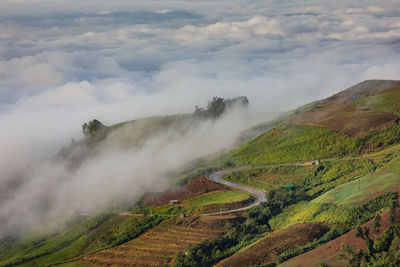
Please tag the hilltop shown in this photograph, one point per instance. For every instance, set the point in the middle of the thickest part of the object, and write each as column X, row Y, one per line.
column 360, row 119
column 349, row 144
column 135, row 133
column 356, row 111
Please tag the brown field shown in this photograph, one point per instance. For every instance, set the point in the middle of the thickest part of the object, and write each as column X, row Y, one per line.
column 159, row 245
column 344, row 118
column 339, row 113
column 329, row 252
column 193, row 188
column 274, row 244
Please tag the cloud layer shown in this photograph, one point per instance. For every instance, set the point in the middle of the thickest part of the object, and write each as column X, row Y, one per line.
column 65, row 62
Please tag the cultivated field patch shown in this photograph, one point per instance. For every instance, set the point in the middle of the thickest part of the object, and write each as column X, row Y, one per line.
column 358, row 192
column 157, row 246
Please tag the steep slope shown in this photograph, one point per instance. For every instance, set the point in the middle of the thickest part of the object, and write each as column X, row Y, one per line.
column 83, row 235
column 332, row 127
column 329, row 252
column 356, row 111
column 268, row 248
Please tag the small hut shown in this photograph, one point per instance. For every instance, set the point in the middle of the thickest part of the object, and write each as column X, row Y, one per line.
column 290, row 187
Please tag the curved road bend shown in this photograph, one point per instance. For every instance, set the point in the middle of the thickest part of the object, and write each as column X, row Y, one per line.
column 217, row 177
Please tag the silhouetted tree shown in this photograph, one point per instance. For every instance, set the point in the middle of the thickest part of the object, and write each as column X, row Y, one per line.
column 92, row 127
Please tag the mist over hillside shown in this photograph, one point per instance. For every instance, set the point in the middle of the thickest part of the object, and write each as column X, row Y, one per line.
column 104, row 169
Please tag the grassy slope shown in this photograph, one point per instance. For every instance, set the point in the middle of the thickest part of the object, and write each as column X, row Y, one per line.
column 387, row 102
column 359, row 191
column 268, row 178
column 334, row 207
column 314, row 130
column 216, row 198
column 386, row 178
column 315, row 179
column 87, row 236
column 293, row 143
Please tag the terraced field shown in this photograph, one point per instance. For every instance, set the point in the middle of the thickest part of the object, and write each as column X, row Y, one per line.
column 156, row 247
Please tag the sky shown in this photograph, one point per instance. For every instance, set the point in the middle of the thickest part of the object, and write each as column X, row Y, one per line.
column 65, row 62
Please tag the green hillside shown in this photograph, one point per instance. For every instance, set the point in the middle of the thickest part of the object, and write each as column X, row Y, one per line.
column 355, row 134
column 84, row 236
column 293, row 143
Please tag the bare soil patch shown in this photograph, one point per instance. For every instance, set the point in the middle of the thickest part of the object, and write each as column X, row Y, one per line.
column 346, row 119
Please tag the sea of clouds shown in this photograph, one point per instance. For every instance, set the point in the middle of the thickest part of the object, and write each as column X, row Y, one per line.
column 64, row 62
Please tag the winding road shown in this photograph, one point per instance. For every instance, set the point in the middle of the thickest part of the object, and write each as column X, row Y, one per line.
column 217, row 177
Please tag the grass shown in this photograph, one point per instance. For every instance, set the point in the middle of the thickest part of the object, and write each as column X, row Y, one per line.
column 72, row 264
column 331, row 214
column 218, row 197
column 267, row 178
column 294, row 143
column 361, row 190
column 220, row 200
column 387, row 102
column 356, row 192
column 315, row 179
column 86, row 236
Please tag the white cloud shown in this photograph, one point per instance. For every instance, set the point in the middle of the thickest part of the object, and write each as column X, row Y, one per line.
column 65, row 62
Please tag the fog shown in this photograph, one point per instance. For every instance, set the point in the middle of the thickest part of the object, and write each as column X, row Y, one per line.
column 114, row 172
column 64, row 62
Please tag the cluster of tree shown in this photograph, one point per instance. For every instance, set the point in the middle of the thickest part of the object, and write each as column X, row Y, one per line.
column 283, row 197
column 217, row 106
column 210, row 252
column 384, row 251
column 92, row 127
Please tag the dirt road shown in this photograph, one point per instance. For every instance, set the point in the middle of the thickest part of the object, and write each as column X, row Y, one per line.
column 217, row 177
